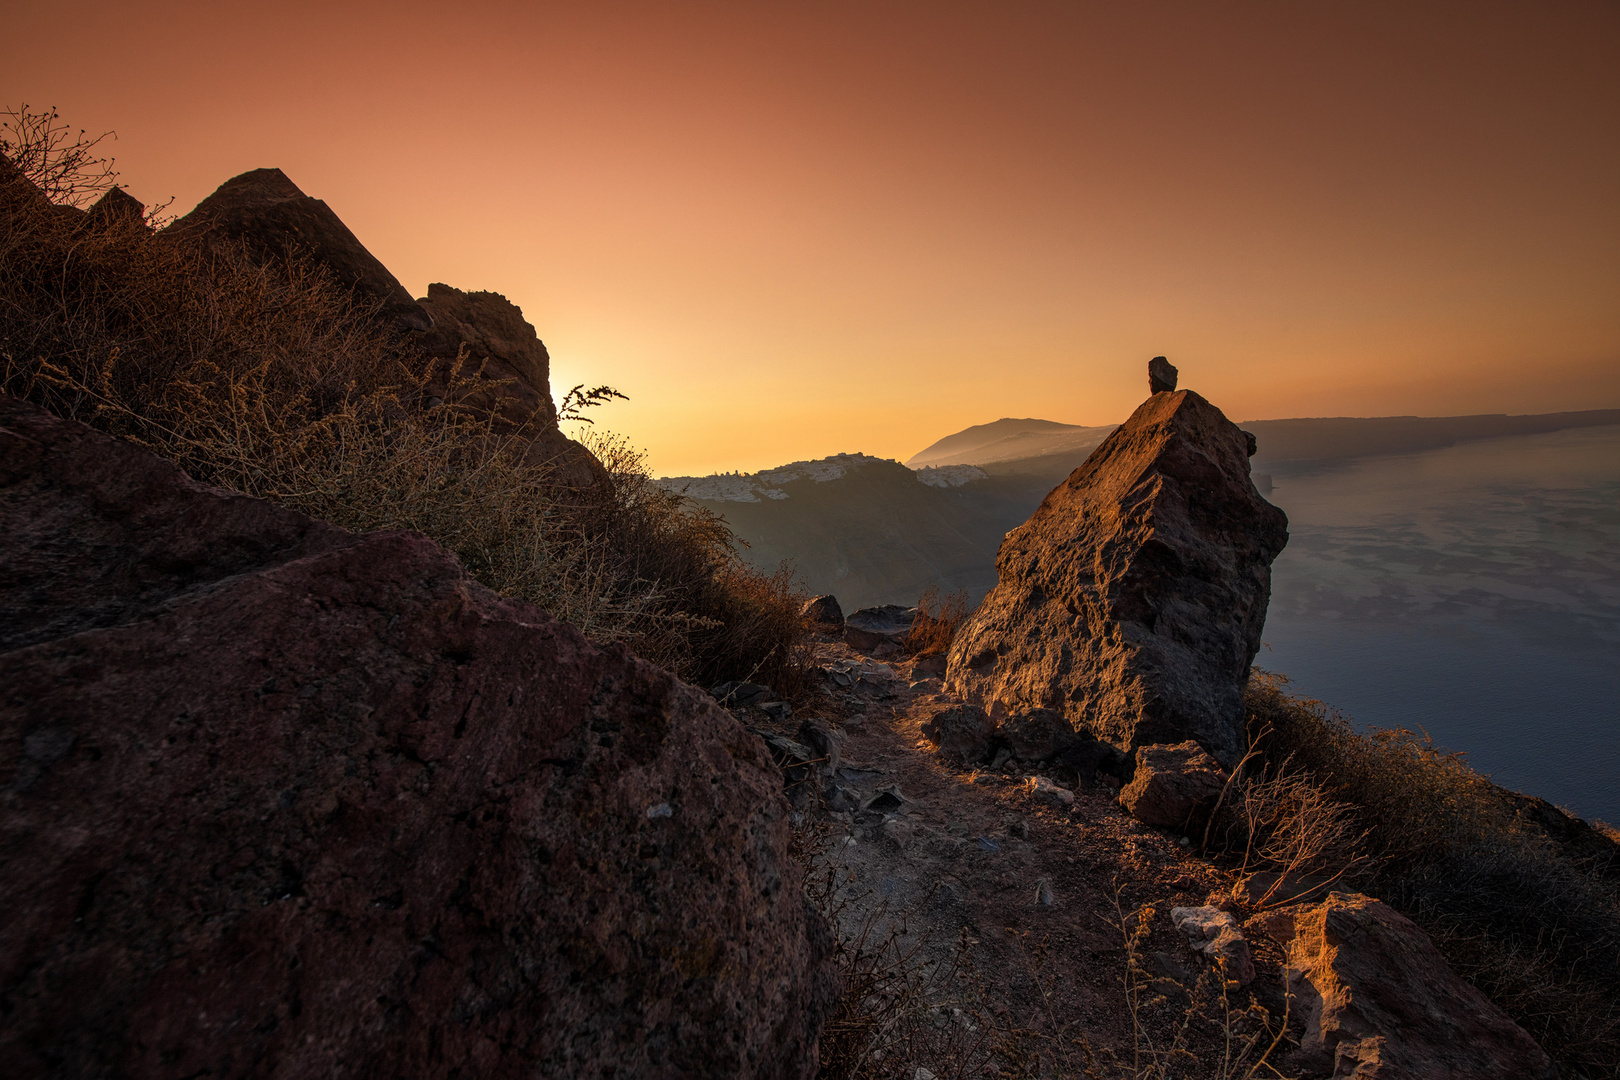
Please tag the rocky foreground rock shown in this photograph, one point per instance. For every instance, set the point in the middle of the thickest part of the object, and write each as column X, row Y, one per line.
column 279, row 799
column 1380, row 1003
column 1133, row 599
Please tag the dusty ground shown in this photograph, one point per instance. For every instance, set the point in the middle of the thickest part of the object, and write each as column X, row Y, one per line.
column 992, row 916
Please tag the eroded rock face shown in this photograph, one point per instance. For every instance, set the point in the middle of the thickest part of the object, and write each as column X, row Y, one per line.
column 1379, row 1001
column 277, row 799
column 274, row 219
column 1133, row 599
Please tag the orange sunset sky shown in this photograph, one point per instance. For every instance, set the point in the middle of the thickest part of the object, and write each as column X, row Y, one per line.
column 792, row 229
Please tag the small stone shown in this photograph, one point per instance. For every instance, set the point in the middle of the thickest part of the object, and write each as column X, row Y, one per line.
column 1161, row 375
column 779, row 711
column 824, row 741
column 662, row 810
column 1043, row 893
column 987, row 844
column 1216, row 934
column 1051, row 793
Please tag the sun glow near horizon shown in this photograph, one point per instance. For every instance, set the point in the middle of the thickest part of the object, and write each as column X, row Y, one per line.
column 787, row 233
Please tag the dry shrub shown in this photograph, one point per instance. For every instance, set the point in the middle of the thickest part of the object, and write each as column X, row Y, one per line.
column 1285, row 823
column 1536, row 931
column 270, row 380
column 937, row 620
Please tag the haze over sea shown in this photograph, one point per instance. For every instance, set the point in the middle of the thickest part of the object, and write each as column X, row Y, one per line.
column 1472, row 592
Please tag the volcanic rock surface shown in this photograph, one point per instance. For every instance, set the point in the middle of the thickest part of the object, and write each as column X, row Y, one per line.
column 1133, row 599
column 278, row 799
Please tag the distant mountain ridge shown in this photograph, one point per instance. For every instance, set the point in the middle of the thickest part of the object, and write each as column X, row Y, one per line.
column 1008, row 439
column 873, row 531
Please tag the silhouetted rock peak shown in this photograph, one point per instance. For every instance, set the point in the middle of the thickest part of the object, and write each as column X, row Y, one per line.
column 117, row 205
column 266, row 211
column 1161, row 375
column 1132, row 600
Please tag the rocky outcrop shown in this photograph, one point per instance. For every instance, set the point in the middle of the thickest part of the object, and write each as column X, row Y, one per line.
column 507, row 363
column 823, row 613
column 272, row 218
column 1379, row 1001
column 1172, row 785
column 1133, row 599
column 277, row 799
column 872, row 627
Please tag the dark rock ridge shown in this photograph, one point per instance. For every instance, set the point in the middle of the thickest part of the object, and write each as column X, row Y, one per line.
column 1133, row 599
column 273, row 219
column 278, row 799
column 888, row 624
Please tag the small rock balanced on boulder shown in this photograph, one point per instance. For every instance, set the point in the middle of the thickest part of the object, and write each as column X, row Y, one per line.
column 1161, row 376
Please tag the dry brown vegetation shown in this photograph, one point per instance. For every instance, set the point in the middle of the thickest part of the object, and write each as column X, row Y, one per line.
column 269, row 379
column 1534, row 927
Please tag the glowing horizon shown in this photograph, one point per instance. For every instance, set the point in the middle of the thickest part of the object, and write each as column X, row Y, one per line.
column 789, row 233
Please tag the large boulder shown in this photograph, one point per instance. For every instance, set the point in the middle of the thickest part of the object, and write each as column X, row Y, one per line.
column 1133, row 599
column 279, row 799
column 1380, row 1003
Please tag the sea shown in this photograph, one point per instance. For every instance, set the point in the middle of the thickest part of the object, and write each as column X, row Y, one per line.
column 1470, row 592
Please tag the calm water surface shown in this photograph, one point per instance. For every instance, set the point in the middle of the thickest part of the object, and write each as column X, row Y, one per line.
column 1472, row 592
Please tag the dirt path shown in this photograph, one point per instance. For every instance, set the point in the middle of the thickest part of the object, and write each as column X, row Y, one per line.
column 997, row 909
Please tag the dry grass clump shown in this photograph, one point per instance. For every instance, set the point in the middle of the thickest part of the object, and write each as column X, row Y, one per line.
column 1279, row 820
column 270, row 380
column 938, row 618
column 1533, row 928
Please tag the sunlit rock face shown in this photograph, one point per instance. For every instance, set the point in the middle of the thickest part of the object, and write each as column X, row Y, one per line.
column 1132, row 601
